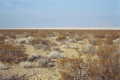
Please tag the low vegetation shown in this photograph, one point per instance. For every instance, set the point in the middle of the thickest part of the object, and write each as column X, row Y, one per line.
column 103, row 65
column 60, row 55
column 12, row 54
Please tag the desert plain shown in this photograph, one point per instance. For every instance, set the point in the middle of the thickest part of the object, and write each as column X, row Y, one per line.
column 43, row 54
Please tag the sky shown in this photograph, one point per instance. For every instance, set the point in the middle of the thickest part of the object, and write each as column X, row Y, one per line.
column 59, row 13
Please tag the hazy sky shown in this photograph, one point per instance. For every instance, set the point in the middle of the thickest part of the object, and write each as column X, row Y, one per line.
column 16, row 13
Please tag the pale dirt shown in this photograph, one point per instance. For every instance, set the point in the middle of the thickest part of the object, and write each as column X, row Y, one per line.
column 33, row 73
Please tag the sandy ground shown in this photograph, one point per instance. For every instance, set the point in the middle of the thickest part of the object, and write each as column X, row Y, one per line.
column 33, row 73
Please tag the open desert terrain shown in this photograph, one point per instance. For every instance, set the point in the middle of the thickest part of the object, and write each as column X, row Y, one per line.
column 43, row 54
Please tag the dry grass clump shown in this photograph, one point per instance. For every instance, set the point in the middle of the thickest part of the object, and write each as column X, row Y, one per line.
column 12, row 54
column 61, row 37
column 41, row 44
column 3, row 66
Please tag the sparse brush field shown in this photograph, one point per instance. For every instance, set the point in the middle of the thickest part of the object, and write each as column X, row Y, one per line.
column 59, row 54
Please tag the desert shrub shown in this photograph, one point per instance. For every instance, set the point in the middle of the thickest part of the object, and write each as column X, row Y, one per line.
column 88, row 48
column 108, row 66
column 72, row 69
column 12, row 54
column 108, row 37
column 45, row 62
column 37, row 61
column 41, row 44
column 13, row 77
column 2, row 38
column 104, row 65
column 61, row 37
column 33, row 58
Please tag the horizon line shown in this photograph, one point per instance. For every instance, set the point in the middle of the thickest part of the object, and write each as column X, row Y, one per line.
column 66, row 28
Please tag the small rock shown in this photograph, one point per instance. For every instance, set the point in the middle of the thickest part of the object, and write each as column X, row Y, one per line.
column 55, row 55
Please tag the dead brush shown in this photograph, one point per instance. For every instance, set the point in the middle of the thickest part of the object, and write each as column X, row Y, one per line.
column 104, row 65
column 108, row 67
column 71, row 69
column 16, row 76
column 12, row 54
column 13, row 77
